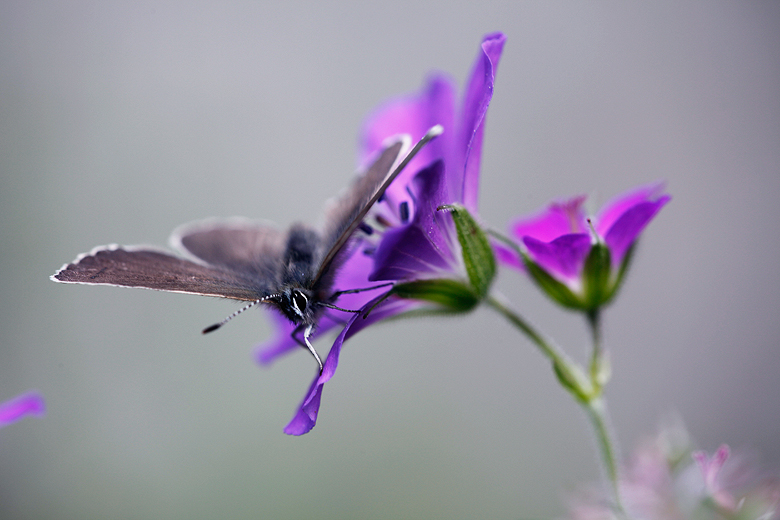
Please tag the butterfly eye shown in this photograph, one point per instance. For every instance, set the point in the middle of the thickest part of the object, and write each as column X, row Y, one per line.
column 300, row 301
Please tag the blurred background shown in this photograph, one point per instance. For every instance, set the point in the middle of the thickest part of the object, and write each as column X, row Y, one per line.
column 120, row 121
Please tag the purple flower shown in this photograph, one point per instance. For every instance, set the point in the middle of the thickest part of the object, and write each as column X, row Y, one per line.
column 579, row 261
column 30, row 403
column 413, row 240
column 420, row 241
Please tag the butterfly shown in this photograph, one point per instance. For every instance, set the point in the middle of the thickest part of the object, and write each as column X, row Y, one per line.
column 253, row 262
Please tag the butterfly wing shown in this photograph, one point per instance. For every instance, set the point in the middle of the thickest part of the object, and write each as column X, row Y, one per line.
column 347, row 211
column 151, row 269
column 350, row 209
column 254, row 249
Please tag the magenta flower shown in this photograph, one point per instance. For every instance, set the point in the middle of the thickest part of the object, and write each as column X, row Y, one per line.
column 409, row 238
column 578, row 261
column 420, row 241
column 30, row 403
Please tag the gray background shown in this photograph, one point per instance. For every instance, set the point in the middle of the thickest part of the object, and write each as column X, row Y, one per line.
column 120, row 121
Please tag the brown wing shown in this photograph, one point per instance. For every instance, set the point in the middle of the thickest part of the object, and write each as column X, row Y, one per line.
column 347, row 211
column 238, row 244
column 150, row 269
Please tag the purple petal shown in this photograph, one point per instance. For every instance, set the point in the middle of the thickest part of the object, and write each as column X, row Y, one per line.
column 282, row 341
column 413, row 115
column 30, row 403
column 422, row 246
column 306, row 416
column 629, row 225
column 471, row 128
column 559, row 218
column 563, row 258
column 508, row 257
column 406, row 253
column 613, row 209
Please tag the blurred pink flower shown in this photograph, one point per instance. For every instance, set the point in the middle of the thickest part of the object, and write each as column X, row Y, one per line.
column 666, row 480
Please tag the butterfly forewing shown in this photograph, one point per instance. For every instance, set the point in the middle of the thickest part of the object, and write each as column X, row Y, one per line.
column 150, row 269
column 346, row 212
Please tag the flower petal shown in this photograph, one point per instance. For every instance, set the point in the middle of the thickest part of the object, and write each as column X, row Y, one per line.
column 30, row 403
column 629, row 225
column 413, row 115
column 563, row 258
column 423, row 246
column 508, row 256
column 477, row 97
column 613, row 209
column 306, row 416
column 559, row 218
column 280, row 343
column 406, row 253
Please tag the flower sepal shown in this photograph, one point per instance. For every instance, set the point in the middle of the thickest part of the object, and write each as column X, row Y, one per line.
column 451, row 295
column 599, row 281
column 555, row 290
column 574, row 380
column 475, row 247
column 596, row 277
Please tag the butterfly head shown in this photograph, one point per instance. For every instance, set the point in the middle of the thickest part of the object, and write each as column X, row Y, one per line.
column 298, row 304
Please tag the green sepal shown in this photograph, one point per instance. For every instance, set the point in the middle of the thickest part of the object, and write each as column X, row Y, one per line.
column 477, row 253
column 618, row 280
column 556, row 290
column 596, row 276
column 451, row 294
column 573, row 379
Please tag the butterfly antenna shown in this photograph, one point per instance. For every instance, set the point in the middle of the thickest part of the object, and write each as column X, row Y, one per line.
column 214, row 327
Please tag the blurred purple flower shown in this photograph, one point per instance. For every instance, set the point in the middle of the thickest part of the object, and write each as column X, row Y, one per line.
column 417, row 240
column 576, row 268
column 30, row 403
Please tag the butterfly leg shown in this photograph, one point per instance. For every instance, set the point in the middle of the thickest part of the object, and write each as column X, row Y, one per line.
column 336, row 294
column 306, row 343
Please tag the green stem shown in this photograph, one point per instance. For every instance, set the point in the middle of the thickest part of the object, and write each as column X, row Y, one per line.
column 599, row 418
column 586, row 393
column 536, row 338
column 594, row 322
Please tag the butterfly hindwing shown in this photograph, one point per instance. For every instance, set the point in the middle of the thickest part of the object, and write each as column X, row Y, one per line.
column 237, row 244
